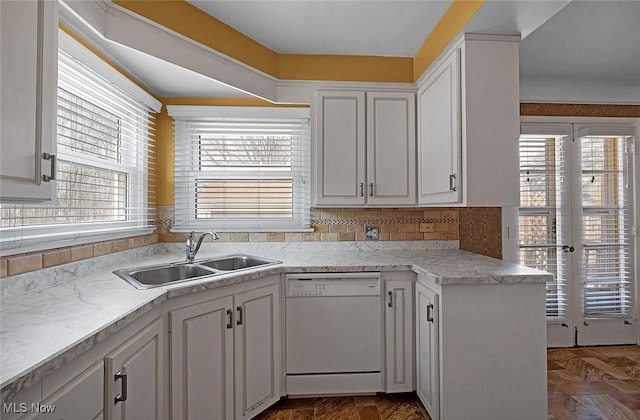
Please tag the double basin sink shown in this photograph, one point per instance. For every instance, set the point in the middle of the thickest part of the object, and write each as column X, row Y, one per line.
column 168, row 274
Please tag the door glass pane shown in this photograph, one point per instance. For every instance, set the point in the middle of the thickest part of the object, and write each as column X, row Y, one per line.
column 543, row 227
column 606, row 224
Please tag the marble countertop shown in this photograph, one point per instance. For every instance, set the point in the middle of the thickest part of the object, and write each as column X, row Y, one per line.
column 50, row 316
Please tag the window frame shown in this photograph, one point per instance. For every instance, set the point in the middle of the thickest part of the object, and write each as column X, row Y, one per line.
column 185, row 191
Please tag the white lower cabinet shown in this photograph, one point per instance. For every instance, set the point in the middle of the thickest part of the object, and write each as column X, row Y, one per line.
column 226, row 355
column 133, row 377
column 87, row 387
column 82, row 398
column 399, row 335
column 427, row 359
column 481, row 350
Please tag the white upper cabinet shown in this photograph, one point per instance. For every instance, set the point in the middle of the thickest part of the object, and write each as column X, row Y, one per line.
column 391, row 149
column 364, row 150
column 28, row 61
column 340, row 149
column 439, row 131
column 468, row 124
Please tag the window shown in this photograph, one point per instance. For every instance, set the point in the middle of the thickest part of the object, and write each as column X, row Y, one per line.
column 241, row 168
column 104, row 150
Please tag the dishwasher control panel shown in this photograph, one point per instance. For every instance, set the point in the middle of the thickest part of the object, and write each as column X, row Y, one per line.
column 301, row 286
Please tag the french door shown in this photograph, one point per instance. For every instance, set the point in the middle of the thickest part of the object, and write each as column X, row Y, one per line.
column 576, row 221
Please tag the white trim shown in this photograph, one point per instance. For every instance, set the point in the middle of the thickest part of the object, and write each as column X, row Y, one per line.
column 79, row 51
column 126, row 28
column 40, row 245
column 187, row 111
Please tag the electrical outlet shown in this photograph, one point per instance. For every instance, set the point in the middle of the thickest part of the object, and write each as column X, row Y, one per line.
column 371, row 232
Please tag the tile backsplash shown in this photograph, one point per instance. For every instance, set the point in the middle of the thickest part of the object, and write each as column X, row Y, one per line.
column 24, row 263
column 481, row 230
column 347, row 224
column 477, row 228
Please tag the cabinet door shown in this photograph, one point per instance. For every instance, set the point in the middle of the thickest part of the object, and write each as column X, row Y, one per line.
column 258, row 350
column 202, row 361
column 82, row 398
column 340, row 148
column 391, row 148
column 427, row 351
column 133, row 377
column 28, row 73
column 439, row 126
column 399, row 336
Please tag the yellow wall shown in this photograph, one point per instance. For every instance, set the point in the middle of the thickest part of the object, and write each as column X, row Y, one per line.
column 193, row 23
column 451, row 23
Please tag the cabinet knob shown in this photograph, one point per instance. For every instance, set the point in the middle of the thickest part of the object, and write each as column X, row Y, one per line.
column 362, row 189
column 452, row 182
column 371, row 189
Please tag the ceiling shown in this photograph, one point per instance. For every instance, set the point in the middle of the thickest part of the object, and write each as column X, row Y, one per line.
column 592, row 44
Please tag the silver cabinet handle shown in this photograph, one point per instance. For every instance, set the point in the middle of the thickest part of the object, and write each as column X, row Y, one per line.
column 230, row 319
column 362, row 189
column 239, row 309
column 390, row 304
column 452, row 182
column 430, row 312
column 53, row 159
column 371, row 189
column 123, row 395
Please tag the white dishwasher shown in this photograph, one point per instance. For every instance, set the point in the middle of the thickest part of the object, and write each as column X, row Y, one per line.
column 333, row 333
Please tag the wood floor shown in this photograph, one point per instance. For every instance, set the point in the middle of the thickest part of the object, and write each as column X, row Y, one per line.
column 592, row 383
column 376, row 407
column 587, row 383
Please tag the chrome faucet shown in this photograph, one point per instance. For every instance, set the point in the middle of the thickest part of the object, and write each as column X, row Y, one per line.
column 191, row 251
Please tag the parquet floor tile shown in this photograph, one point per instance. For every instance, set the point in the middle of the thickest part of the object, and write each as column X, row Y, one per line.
column 588, row 383
column 594, row 383
column 375, row 407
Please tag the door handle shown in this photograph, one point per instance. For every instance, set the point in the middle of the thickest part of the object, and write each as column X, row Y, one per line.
column 362, row 189
column 567, row 248
column 123, row 394
column 230, row 319
column 430, row 312
column 452, row 182
column 371, row 189
column 239, row 309
column 53, row 159
column 390, row 304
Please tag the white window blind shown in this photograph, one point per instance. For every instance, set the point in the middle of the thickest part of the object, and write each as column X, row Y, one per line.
column 607, row 259
column 241, row 169
column 105, row 147
column 543, row 226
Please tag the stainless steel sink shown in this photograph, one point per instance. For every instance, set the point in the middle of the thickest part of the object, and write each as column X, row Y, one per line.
column 147, row 277
column 163, row 275
column 237, row 262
